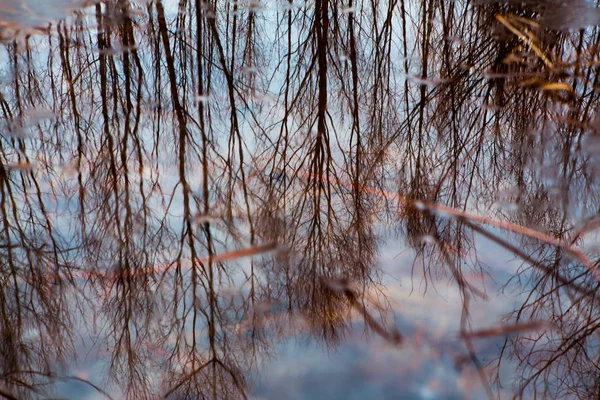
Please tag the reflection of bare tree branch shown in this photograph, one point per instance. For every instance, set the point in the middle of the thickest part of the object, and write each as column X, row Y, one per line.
column 164, row 154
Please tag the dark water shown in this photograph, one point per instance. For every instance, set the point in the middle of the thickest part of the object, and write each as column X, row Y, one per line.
column 268, row 200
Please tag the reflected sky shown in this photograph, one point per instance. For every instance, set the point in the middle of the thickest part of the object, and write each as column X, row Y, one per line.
column 222, row 200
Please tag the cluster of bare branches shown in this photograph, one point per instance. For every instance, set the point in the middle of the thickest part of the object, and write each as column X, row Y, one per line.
column 145, row 148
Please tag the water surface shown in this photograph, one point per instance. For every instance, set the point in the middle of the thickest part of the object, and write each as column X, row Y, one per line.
column 223, row 200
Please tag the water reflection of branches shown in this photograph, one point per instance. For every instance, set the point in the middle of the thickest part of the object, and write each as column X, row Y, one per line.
column 179, row 158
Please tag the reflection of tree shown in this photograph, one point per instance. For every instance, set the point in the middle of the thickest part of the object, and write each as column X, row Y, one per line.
column 177, row 137
column 36, row 280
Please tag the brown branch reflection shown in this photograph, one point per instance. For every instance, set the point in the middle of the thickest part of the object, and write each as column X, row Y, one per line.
column 189, row 185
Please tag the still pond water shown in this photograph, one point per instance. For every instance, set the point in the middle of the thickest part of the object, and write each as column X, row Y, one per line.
column 274, row 199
